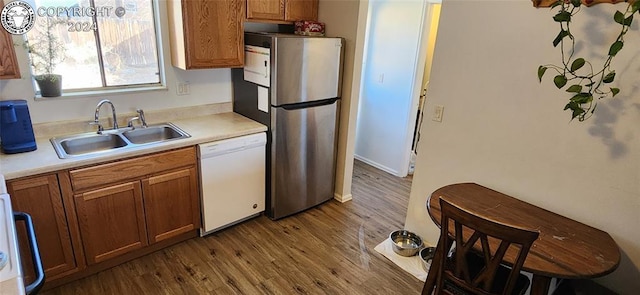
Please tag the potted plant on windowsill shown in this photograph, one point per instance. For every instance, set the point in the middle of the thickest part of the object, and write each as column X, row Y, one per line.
column 46, row 51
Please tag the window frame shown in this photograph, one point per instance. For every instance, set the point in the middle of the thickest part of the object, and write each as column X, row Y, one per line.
column 122, row 89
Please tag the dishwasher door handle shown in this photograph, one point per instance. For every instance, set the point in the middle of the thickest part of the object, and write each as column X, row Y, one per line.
column 34, row 287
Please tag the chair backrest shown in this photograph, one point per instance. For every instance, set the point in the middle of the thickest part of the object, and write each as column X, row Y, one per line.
column 469, row 230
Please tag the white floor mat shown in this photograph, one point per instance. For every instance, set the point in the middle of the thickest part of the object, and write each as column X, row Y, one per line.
column 412, row 265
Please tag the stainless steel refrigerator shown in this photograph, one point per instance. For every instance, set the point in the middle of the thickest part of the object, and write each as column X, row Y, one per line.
column 292, row 84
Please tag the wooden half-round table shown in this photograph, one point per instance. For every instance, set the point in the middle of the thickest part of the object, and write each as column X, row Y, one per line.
column 565, row 248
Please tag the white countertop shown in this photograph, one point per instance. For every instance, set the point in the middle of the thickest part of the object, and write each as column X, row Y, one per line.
column 202, row 129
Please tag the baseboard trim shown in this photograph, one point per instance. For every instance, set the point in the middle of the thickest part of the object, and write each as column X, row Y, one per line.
column 374, row 164
column 342, row 198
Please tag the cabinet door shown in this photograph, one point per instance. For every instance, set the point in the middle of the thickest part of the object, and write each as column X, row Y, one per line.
column 301, row 10
column 172, row 204
column 41, row 198
column 213, row 33
column 265, row 9
column 8, row 62
column 111, row 221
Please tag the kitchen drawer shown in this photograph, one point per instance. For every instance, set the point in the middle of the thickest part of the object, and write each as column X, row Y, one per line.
column 85, row 178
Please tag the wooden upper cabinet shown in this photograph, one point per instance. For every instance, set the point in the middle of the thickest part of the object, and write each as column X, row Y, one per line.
column 284, row 11
column 8, row 62
column 42, row 198
column 206, row 33
column 301, row 10
column 265, row 9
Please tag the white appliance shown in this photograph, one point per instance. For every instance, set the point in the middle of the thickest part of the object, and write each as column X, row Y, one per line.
column 292, row 84
column 10, row 269
column 232, row 180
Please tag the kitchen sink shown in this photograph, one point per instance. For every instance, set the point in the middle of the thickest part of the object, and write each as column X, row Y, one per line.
column 91, row 143
column 110, row 140
column 162, row 132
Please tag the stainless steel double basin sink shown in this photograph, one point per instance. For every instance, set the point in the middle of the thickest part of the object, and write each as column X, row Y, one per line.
column 128, row 138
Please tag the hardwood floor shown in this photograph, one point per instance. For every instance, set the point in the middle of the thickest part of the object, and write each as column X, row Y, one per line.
column 325, row 250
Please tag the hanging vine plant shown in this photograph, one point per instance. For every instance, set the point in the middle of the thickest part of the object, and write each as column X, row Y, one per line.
column 585, row 83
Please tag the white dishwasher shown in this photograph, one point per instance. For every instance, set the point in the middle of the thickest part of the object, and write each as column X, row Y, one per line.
column 232, row 180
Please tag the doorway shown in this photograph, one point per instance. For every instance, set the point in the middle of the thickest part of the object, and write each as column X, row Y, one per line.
column 396, row 60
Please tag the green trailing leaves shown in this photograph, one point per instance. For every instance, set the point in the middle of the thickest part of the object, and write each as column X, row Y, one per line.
column 575, row 88
column 614, row 91
column 609, row 77
column 560, row 81
column 635, row 7
column 576, row 110
column 577, row 64
column 619, row 17
column 588, row 81
column 562, row 16
column 541, row 70
column 582, row 97
column 615, row 48
column 559, row 38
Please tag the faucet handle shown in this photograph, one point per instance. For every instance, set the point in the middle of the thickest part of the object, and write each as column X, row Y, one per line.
column 143, row 121
column 100, row 128
column 130, row 122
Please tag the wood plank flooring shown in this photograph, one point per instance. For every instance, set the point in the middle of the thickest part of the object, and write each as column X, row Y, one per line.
column 325, row 250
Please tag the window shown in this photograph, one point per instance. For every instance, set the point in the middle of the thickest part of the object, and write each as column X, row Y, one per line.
column 104, row 44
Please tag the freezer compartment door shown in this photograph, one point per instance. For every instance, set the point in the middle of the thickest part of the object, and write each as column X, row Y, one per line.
column 306, row 69
column 302, row 157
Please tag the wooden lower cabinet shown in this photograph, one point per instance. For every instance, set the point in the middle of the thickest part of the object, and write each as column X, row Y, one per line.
column 42, row 198
column 151, row 199
column 171, row 203
column 91, row 218
column 111, row 221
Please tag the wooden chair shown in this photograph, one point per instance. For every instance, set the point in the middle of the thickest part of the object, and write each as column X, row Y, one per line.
column 465, row 272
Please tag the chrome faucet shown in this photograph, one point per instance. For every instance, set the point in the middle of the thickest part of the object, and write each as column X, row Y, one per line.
column 96, row 121
column 140, row 117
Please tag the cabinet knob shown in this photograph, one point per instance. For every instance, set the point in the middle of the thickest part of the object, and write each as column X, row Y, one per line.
column 255, row 206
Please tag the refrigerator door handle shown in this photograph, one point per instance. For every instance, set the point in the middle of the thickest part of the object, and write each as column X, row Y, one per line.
column 309, row 104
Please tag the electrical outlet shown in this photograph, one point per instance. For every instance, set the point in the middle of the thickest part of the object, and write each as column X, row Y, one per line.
column 183, row 88
column 437, row 113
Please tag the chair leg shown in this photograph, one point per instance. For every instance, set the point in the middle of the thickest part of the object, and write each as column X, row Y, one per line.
column 430, row 282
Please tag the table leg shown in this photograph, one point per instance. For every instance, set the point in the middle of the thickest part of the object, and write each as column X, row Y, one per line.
column 540, row 285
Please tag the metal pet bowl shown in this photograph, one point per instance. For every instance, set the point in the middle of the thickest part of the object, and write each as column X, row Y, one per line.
column 426, row 255
column 405, row 243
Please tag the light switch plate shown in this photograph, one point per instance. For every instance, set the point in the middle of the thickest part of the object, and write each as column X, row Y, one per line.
column 437, row 113
column 183, row 88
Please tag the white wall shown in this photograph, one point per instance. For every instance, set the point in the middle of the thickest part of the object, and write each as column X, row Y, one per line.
column 207, row 86
column 387, row 107
column 346, row 19
column 503, row 129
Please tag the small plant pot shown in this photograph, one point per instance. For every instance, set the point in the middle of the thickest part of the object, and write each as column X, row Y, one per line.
column 50, row 85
